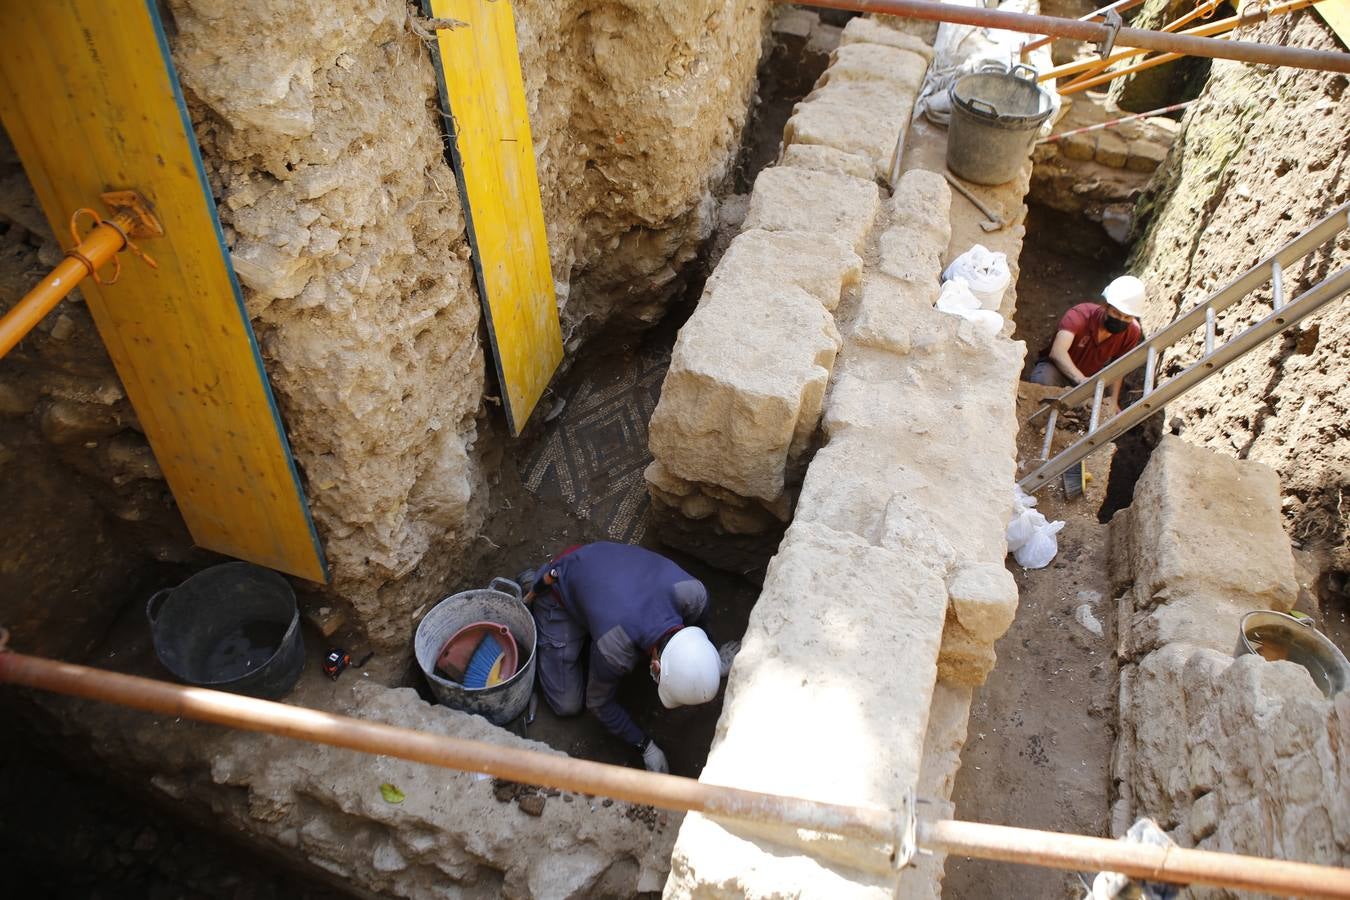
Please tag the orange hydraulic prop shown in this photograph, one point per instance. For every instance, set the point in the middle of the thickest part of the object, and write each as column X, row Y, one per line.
column 132, row 216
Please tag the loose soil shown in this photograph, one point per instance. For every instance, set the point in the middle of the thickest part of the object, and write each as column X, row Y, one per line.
column 1040, row 737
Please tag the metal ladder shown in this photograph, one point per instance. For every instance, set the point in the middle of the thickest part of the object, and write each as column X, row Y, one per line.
column 1284, row 314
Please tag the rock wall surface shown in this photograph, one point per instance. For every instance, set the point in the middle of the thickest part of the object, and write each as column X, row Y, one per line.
column 1260, row 158
column 322, row 811
column 1243, row 756
column 321, row 137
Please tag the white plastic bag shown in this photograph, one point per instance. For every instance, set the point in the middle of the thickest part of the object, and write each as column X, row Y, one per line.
column 986, row 274
column 958, row 300
column 1037, row 552
column 1031, row 539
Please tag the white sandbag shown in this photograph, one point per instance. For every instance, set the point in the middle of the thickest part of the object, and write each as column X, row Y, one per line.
column 986, row 274
column 1022, row 527
column 1037, row 552
column 958, row 300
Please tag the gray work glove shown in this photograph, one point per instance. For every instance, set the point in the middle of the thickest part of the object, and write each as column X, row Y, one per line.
column 726, row 654
column 653, row 758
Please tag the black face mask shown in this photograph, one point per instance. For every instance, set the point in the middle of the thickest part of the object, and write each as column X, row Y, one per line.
column 1114, row 325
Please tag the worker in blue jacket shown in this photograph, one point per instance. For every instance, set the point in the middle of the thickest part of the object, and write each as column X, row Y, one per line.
column 636, row 607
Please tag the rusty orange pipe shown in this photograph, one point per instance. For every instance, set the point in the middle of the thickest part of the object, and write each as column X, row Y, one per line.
column 99, row 246
column 1209, row 29
column 876, row 825
column 1083, row 84
column 1204, row 9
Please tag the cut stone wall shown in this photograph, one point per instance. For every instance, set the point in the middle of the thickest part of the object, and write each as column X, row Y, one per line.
column 1243, row 756
column 1260, row 158
column 906, row 499
column 742, row 401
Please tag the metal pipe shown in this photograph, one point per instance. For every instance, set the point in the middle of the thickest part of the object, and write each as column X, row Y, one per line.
column 99, row 246
column 871, row 823
column 1204, row 10
column 1089, row 81
column 874, row 824
column 1118, row 6
column 1171, row 864
column 1244, row 51
column 1114, row 122
column 1209, row 29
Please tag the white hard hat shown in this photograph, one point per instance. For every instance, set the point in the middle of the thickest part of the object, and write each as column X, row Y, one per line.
column 690, row 669
column 1126, row 294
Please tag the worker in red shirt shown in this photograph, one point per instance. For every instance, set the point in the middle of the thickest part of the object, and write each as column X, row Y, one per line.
column 1092, row 335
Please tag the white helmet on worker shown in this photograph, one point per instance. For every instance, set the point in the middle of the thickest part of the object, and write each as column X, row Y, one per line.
column 690, row 669
column 1126, row 294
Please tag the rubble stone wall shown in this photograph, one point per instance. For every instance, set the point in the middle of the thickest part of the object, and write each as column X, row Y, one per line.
column 321, row 810
column 1243, row 756
column 1261, row 157
column 321, row 138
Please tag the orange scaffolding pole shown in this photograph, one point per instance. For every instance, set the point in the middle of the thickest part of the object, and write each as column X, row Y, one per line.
column 90, row 253
column 876, row 825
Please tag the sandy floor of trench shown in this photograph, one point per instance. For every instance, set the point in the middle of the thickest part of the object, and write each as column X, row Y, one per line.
column 1040, row 737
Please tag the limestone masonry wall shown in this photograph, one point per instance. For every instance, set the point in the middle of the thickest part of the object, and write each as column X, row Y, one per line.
column 1243, row 756
column 897, row 534
column 1262, row 157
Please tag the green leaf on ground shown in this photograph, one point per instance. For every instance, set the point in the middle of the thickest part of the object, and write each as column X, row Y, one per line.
column 390, row 793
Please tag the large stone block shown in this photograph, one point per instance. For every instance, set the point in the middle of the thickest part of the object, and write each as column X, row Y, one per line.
column 744, row 391
column 821, row 265
column 816, row 707
column 900, row 69
column 786, row 198
column 865, row 30
column 849, row 119
column 1206, row 524
column 827, row 159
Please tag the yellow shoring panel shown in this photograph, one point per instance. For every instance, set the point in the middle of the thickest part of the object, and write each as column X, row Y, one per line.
column 493, row 153
column 1336, row 13
column 90, row 99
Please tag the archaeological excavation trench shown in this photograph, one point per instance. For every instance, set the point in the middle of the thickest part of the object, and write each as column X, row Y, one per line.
column 678, row 277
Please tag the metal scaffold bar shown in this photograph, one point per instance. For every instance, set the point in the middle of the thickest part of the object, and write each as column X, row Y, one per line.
column 1243, row 51
column 882, row 827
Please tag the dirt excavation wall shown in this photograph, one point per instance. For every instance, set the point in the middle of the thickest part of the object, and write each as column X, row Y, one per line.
column 321, row 140
column 1262, row 157
column 1243, row 756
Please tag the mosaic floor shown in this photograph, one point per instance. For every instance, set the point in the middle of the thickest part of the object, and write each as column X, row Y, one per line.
column 593, row 454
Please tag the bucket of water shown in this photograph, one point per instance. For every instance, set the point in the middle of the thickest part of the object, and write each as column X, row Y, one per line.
column 1275, row 636
column 234, row 627
column 500, row 602
column 995, row 118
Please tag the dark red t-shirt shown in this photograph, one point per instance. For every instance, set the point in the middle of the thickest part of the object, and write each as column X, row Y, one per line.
column 1084, row 320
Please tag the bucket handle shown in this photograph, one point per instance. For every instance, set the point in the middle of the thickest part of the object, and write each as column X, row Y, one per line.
column 1023, row 67
column 154, row 603
column 979, row 105
column 515, row 590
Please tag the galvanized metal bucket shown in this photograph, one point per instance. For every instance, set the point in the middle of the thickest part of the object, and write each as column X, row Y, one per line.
column 500, row 703
column 234, row 627
column 1298, row 642
column 995, row 117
